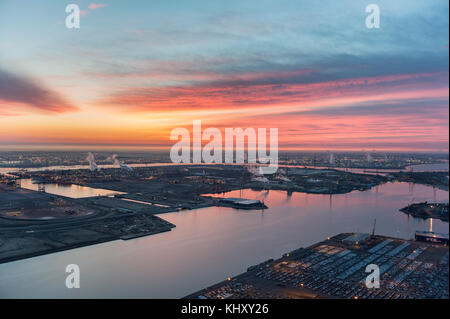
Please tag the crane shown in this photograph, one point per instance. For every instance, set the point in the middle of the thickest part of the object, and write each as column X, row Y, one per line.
column 373, row 230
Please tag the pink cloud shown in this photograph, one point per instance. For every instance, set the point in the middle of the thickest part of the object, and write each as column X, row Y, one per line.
column 237, row 94
column 94, row 6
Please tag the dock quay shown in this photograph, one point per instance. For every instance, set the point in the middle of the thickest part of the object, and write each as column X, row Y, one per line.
column 241, row 203
column 336, row 268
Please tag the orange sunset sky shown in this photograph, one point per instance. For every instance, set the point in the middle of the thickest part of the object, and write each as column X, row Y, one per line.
column 136, row 70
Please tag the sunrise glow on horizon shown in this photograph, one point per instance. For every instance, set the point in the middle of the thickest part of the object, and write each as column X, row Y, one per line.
column 135, row 71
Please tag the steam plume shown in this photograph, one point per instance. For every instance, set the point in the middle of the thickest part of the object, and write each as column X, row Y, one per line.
column 116, row 161
column 92, row 165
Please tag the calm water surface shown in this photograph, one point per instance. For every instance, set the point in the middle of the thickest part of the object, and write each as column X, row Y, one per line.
column 72, row 191
column 210, row 244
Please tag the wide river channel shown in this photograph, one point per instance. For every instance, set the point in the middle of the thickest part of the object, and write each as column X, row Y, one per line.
column 211, row 244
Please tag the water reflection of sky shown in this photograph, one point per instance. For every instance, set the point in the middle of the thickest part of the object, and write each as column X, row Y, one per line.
column 210, row 244
column 72, row 191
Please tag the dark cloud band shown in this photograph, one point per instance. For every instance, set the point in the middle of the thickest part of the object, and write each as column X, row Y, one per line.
column 18, row 89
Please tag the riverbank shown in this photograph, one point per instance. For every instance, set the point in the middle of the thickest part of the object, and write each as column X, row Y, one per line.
column 435, row 179
column 36, row 223
column 167, row 265
column 427, row 210
column 336, row 268
column 140, row 194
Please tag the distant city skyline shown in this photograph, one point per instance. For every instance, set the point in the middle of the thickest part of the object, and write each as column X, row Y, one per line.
column 137, row 69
